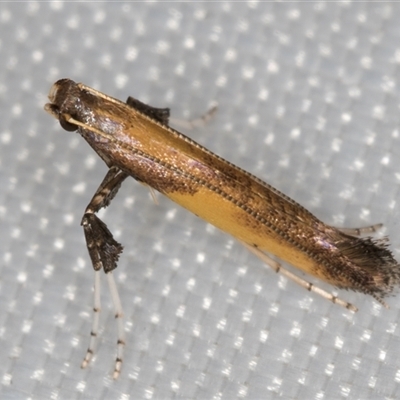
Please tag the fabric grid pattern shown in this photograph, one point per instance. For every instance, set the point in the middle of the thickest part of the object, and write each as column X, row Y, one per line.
column 308, row 98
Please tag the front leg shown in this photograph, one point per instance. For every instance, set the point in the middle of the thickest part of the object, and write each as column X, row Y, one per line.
column 104, row 252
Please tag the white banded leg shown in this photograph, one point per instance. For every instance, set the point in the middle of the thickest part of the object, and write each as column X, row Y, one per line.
column 104, row 252
column 307, row 285
column 96, row 320
column 120, row 323
column 196, row 122
column 361, row 231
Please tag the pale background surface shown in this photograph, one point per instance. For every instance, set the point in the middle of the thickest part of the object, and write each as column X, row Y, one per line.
column 308, row 100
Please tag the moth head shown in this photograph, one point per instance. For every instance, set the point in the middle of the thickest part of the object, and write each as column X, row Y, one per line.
column 61, row 95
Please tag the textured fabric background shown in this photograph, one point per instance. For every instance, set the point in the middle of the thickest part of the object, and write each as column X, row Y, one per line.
column 308, row 100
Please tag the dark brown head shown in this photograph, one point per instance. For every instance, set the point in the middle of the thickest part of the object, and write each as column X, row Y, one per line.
column 63, row 96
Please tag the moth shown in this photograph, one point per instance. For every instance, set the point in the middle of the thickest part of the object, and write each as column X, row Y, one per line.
column 135, row 140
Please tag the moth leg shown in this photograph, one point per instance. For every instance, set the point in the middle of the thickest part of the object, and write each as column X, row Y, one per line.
column 196, row 122
column 104, row 252
column 120, row 323
column 153, row 193
column 162, row 115
column 95, row 320
column 159, row 114
column 361, row 231
column 307, row 285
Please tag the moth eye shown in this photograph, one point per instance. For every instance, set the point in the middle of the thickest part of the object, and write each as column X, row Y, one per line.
column 67, row 125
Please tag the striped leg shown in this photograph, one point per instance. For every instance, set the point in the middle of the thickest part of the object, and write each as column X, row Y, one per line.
column 307, row 285
column 104, row 252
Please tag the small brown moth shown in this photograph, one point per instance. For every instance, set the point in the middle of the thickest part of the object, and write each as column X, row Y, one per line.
column 135, row 140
